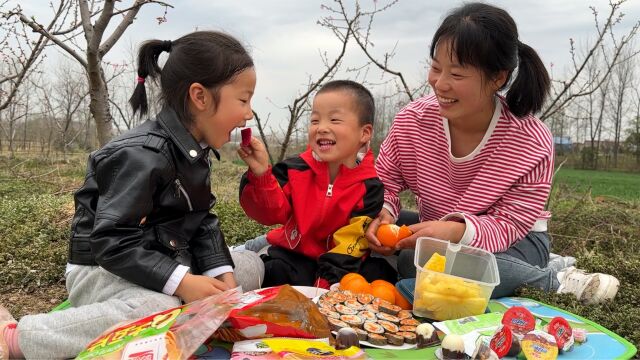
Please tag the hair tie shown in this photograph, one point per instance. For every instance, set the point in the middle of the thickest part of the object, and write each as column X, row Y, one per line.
column 140, row 80
column 166, row 45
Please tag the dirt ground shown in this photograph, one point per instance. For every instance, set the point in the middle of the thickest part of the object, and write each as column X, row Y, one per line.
column 40, row 300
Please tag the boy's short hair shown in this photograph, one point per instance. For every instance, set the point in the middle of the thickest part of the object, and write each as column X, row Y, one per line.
column 363, row 98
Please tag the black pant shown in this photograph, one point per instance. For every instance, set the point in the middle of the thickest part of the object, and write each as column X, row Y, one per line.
column 282, row 266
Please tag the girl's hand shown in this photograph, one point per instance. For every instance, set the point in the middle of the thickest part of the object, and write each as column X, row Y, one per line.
column 195, row 287
column 384, row 217
column 445, row 230
column 255, row 156
column 228, row 279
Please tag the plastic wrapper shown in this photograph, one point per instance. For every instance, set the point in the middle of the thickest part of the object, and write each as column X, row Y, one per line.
column 279, row 311
column 170, row 334
column 301, row 349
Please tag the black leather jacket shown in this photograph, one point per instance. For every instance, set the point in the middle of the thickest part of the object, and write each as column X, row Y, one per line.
column 159, row 173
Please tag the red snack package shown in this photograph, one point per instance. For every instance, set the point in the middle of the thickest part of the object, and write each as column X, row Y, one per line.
column 246, row 137
column 279, row 311
column 520, row 320
column 170, row 334
column 503, row 343
column 562, row 332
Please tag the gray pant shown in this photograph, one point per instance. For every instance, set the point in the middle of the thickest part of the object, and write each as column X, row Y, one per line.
column 524, row 263
column 101, row 300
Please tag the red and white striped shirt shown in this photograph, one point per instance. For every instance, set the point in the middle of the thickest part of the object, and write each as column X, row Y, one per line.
column 499, row 189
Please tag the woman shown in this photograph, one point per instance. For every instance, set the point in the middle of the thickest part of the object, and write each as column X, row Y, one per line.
column 480, row 164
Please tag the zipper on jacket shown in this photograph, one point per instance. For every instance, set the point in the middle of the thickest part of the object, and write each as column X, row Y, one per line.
column 180, row 189
column 330, row 190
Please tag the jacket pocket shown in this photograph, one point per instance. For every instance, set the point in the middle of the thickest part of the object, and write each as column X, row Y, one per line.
column 174, row 242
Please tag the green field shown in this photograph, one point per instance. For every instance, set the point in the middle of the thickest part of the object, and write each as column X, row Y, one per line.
column 624, row 186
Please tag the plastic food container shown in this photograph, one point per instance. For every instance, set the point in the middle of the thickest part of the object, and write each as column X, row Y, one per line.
column 463, row 289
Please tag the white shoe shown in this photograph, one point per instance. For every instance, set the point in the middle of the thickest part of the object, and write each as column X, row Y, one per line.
column 589, row 288
column 559, row 262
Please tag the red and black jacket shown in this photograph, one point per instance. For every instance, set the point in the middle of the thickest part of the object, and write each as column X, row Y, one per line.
column 322, row 221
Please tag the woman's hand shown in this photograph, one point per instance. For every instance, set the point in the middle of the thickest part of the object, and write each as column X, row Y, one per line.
column 255, row 156
column 384, row 217
column 195, row 287
column 445, row 230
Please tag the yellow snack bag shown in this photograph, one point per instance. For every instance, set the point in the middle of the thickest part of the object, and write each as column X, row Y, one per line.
column 297, row 349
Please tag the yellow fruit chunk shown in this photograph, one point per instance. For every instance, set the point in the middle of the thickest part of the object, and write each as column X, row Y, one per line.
column 436, row 263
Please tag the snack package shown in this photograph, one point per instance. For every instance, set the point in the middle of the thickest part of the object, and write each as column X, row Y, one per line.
column 299, row 349
column 170, row 334
column 279, row 311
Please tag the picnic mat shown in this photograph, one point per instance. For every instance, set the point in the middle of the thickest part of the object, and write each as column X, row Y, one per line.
column 601, row 343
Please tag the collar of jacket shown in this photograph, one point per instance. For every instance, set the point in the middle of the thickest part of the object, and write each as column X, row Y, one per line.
column 364, row 170
column 183, row 139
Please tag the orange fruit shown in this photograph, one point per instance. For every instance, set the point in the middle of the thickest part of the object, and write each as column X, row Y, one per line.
column 402, row 302
column 357, row 286
column 390, row 234
column 348, row 277
column 384, row 293
column 382, row 283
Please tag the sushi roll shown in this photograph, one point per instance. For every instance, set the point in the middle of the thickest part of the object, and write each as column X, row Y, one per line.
column 372, row 308
column 373, row 327
column 365, row 299
column 390, row 308
column 336, row 324
column 405, row 314
column 345, row 310
column 362, row 335
column 377, row 339
column 394, row 339
column 352, row 320
column 410, row 321
column 368, row 315
column 329, row 313
column 407, row 328
column 409, row 337
column 387, row 317
column 388, row 326
column 354, row 304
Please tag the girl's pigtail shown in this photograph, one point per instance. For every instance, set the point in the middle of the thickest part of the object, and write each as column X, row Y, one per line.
column 530, row 88
column 148, row 55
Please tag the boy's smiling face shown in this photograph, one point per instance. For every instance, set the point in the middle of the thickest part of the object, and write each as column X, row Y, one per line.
column 335, row 131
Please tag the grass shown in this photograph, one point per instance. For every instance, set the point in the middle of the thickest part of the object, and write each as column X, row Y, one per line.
column 601, row 183
column 596, row 218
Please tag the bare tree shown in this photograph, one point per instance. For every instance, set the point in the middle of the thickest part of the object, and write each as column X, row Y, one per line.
column 92, row 19
column 622, row 79
column 575, row 87
column 20, row 51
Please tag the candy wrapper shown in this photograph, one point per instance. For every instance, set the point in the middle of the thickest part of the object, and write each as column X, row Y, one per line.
column 170, row 334
column 279, row 311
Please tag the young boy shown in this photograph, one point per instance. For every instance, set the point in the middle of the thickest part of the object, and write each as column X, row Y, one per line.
column 324, row 198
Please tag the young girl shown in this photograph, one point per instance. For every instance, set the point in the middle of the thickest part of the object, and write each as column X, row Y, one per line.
column 482, row 167
column 142, row 237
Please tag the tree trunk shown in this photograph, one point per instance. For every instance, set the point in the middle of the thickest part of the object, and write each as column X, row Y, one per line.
column 99, row 105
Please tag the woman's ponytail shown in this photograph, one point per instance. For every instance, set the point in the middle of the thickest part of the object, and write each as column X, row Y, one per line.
column 148, row 55
column 530, row 88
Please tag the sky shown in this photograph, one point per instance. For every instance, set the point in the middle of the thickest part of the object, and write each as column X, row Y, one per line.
column 285, row 40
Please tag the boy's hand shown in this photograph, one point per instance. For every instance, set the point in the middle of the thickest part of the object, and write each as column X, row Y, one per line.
column 195, row 287
column 255, row 156
column 228, row 279
column 384, row 217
